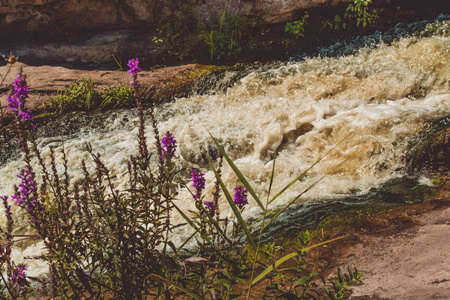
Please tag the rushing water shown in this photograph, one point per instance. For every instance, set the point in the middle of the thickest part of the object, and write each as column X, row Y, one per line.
column 373, row 103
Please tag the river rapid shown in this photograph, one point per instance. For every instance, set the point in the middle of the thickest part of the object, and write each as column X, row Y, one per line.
column 373, row 104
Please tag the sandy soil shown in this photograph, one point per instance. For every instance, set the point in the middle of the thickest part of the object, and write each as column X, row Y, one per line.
column 405, row 256
column 413, row 264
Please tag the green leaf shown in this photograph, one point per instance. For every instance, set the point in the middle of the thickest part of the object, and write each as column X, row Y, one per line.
column 233, row 206
column 238, row 173
column 302, row 281
column 273, row 266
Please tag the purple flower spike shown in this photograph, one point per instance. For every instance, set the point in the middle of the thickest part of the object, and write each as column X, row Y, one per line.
column 210, row 206
column 20, row 277
column 134, row 67
column 16, row 100
column 169, row 145
column 27, row 187
column 240, row 196
column 198, row 182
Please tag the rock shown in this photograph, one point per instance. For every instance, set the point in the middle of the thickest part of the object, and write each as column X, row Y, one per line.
column 45, row 81
column 64, row 17
column 95, row 51
column 433, row 155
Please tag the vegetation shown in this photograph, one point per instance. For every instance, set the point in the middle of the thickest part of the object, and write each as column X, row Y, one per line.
column 102, row 242
column 227, row 36
column 82, row 96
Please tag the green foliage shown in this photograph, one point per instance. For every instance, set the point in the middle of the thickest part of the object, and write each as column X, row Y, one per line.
column 80, row 96
column 117, row 96
column 179, row 31
column 335, row 24
column 297, row 28
column 341, row 286
column 225, row 38
column 83, row 96
column 359, row 10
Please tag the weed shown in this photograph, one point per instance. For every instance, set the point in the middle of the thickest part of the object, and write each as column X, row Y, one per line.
column 83, row 96
column 359, row 10
column 297, row 28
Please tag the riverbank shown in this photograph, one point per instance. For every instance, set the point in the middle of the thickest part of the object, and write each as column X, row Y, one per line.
column 403, row 253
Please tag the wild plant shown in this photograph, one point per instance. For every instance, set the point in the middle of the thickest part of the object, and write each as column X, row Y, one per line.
column 359, row 10
column 297, row 28
column 101, row 242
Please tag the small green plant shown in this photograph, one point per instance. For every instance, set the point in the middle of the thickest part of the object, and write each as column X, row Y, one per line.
column 341, row 286
column 225, row 38
column 335, row 24
column 116, row 96
column 83, row 96
column 297, row 28
column 80, row 96
column 359, row 10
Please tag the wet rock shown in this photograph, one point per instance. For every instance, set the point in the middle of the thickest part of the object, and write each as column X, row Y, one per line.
column 433, row 155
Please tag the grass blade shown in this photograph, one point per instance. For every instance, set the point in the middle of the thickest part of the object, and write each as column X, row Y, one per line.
column 238, row 173
column 307, row 170
column 298, row 196
column 289, row 256
column 273, row 266
column 231, row 202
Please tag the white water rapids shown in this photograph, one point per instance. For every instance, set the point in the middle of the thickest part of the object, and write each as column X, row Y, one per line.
column 377, row 101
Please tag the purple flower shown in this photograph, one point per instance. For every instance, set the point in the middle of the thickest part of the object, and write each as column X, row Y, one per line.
column 134, row 67
column 19, row 272
column 169, row 145
column 16, row 100
column 198, row 182
column 27, row 187
column 19, row 276
column 240, row 196
column 210, row 206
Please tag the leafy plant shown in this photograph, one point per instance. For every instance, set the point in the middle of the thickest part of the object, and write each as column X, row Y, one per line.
column 83, row 96
column 225, row 38
column 341, row 286
column 335, row 24
column 116, row 96
column 359, row 11
column 80, row 96
column 297, row 28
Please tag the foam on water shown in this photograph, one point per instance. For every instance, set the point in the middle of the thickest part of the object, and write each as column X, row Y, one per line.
column 374, row 102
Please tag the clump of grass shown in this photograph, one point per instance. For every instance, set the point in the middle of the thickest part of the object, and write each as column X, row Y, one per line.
column 104, row 242
column 83, row 96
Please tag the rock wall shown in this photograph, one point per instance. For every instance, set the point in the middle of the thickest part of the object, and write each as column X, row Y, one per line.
column 56, row 17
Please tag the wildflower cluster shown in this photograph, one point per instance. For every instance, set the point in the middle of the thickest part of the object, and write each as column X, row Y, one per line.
column 134, row 67
column 169, row 145
column 134, row 70
column 27, row 187
column 198, row 183
column 240, row 196
column 16, row 100
column 210, row 206
column 20, row 277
